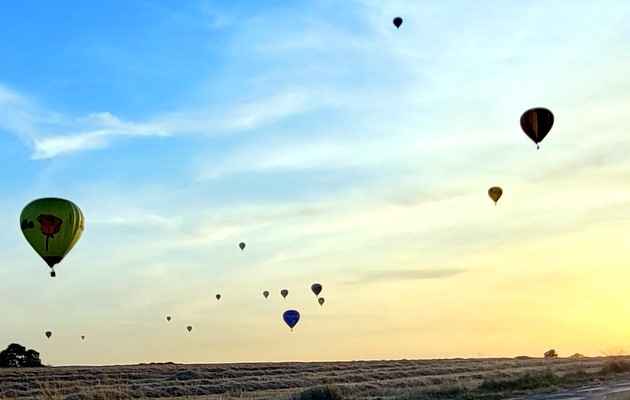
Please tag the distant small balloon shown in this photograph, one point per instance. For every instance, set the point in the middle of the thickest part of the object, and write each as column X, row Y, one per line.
column 218, row 296
column 291, row 318
column 398, row 21
column 316, row 288
column 266, row 293
column 48, row 334
column 495, row 193
column 284, row 293
column 241, row 245
column 168, row 317
column 82, row 337
column 189, row 328
column 321, row 301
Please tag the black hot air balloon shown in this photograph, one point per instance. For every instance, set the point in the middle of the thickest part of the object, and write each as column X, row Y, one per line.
column 536, row 123
column 241, row 246
column 397, row 22
column 48, row 334
column 316, row 288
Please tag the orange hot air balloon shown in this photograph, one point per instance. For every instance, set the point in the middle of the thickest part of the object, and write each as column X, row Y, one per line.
column 495, row 193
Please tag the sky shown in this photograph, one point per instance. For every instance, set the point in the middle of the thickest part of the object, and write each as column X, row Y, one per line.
column 342, row 151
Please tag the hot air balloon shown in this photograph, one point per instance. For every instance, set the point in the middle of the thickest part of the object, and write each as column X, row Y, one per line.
column 168, row 318
column 316, row 288
column 284, row 293
column 242, row 245
column 48, row 334
column 52, row 227
column 495, row 193
column 82, row 337
column 536, row 123
column 218, row 296
column 189, row 328
column 266, row 293
column 321, row 301
column 397, row 21
column 291, row 317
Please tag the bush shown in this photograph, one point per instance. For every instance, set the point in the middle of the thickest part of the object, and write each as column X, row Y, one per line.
column 551, row 354
column 615, row 367
column 530, row 380
column 16, row 355
column 328, row 392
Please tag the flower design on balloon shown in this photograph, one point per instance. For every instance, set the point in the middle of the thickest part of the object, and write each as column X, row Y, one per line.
column 49, row 225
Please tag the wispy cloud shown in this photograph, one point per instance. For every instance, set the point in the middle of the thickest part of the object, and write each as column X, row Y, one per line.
column 405, row 275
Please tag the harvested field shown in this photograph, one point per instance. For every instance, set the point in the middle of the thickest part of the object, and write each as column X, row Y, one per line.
column 356, row 379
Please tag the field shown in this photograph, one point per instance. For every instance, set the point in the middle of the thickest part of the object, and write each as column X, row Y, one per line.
column 401, row 379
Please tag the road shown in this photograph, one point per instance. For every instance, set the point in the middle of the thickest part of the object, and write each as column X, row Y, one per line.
column 610, row 391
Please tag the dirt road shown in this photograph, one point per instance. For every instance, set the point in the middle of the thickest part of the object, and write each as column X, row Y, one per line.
column 609, row 391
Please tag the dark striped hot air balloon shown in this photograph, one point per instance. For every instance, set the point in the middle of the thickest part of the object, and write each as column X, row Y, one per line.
column 536, row 123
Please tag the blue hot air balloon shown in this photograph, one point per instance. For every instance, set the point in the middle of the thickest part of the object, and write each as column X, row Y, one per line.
column 291, row 317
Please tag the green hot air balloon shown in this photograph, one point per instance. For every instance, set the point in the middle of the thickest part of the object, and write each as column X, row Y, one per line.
column 52, row 227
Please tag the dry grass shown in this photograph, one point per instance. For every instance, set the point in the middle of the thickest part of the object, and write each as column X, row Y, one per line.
column 406, row 379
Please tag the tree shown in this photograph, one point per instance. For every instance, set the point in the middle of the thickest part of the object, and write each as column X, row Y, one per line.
column 551, row 354
column 16, row 355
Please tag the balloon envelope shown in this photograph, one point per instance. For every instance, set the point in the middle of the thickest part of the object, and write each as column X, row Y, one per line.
column 241, row 245
column 397, row 21
column 218, row 296
column 495, row 193
column 189, row 328
column 536, row 123
column 48, row 334
column 82, row 337
column 321, row 301
column 316, row 288
column 168, row 317
column 291, row 317
column 266, row 293
column 52, row 226
column 284, row 293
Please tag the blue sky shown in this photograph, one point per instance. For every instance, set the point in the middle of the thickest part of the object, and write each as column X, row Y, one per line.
column 342, row 151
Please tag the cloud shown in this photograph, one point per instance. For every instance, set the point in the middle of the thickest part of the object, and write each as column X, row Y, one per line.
column 405, row 275
column 95, row 131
